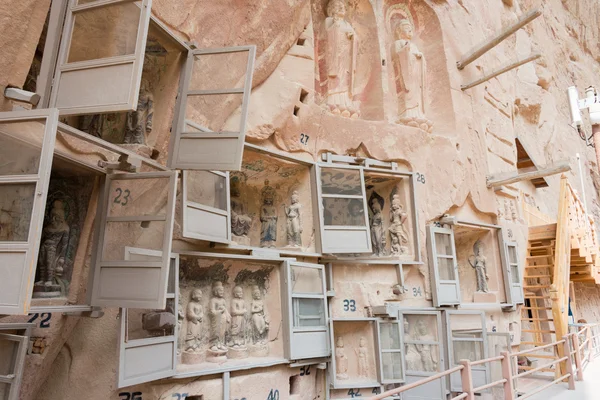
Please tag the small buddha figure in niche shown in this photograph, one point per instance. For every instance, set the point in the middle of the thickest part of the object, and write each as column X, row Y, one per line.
column 194, row 315
column 180, row 320
column 139, row 122
column 410, row 69
column 294, row 221
column 260, row 321
column 478, row 262
column 268, row 217
column 397, row 229
column 240, row 221
column 53, row 249
column 340, row 58
column 341, row 360
column 513, row 212
column 361, row 353
column 507, row 212
column 356, row 213
column 219, row 318
column 238, row 318
column 376, row 203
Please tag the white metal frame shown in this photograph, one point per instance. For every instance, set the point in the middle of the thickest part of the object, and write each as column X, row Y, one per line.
column 296, row 335
column 513, row 290
column 414, row 376
column 146, row 345
column 190, row 206
column 400, row 350
column 481, row 372
column 22, row 340
column 180, row 124
column 163, row 265
column 439, row 285
column 136, row 60
column 41, row 179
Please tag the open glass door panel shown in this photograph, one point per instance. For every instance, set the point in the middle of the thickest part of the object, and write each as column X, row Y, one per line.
column 101, row 56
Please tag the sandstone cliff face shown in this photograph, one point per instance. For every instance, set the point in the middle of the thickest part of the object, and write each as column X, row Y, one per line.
column 473, row 133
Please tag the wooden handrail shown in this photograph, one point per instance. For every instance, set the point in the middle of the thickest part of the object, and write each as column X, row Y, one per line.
column 402, row 389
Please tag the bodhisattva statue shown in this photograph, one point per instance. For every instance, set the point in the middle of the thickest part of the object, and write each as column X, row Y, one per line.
column 340, row 58
column 219, row 318
column 478, row 262
column 194, row 315
column 240, row 221
column 361, row 353
column 413, row 358
column 376, row 203
column 429, row 359
column 260, row 322
column 356, row 213
column 397, row 230
column 294, row 221
column 53, row 250
column 139, row 122
column 341, row 360
column 268, row 217
column 238, row 318
column 410, row 69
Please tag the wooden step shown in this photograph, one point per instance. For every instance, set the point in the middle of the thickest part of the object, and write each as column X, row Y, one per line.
column 535, row 286
column 539, row 266
column 536, row 331
column 533, row 343
column 537, row 297
column 539, row 256
column 537, row 276
column 537, row 319
column 536, row 308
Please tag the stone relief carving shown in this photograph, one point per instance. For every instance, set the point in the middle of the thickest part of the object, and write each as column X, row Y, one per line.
column 378, row 239
column 160, row 322
column 341, row 53
column 410, row 69
column 341, row 360
column 294, row 221
column 419, row 357
column 240, row 221
column 238, row 319
column 268, row 217
column 397, row 229
column 361, row 352
column 194, row 315
column 53, row 252
column 260, row 322
column 139, row 122
column 219, row 320
column 478, row 261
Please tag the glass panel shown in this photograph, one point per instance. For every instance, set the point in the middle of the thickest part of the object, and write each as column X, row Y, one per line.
column 4, row 390
column 142, row 324
column 392, row 366
column 171, row 281
column 446, row 269
column 308, row 312
column 422, row 357
column 307, row 280
column 20, row 147
column 443, row 244
column 420, row 328
column 343, row 212
column 119, row 235
column 104, row 32
column 8, row 355
column 16, row 205
column 341, row 181
column 512, row 255
column 219, row 71
column 514, row 269
column 213, row 113
column 206, row 188
column 467, row 351
column 138, row 197
column 390, row 336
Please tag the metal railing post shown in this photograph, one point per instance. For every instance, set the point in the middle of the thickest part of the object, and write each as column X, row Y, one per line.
column 466, row 377
column 590, row 343
column 509, row 391
column 568, row 364
column 577, row 357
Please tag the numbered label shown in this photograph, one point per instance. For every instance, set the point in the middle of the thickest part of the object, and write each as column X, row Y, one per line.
column 44, row 319
column 437, row 224
column 130, row 395
column 376, row 390
column 421, row 178
column 304, row 138
column 354, row 393
column 510, row 233
column 305, row 370
column 273, row 394
column 349, row 305
column 122, row 196
column 179, row 396
column 417, row 292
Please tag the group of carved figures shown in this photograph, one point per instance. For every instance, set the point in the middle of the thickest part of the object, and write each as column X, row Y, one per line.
column 341, row 59
column 341, row 359
column 397, row 229
column 241, row 222
column 507, row 210
column 228, row 326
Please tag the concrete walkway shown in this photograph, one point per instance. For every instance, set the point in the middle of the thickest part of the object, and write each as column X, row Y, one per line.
column 588, row 389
